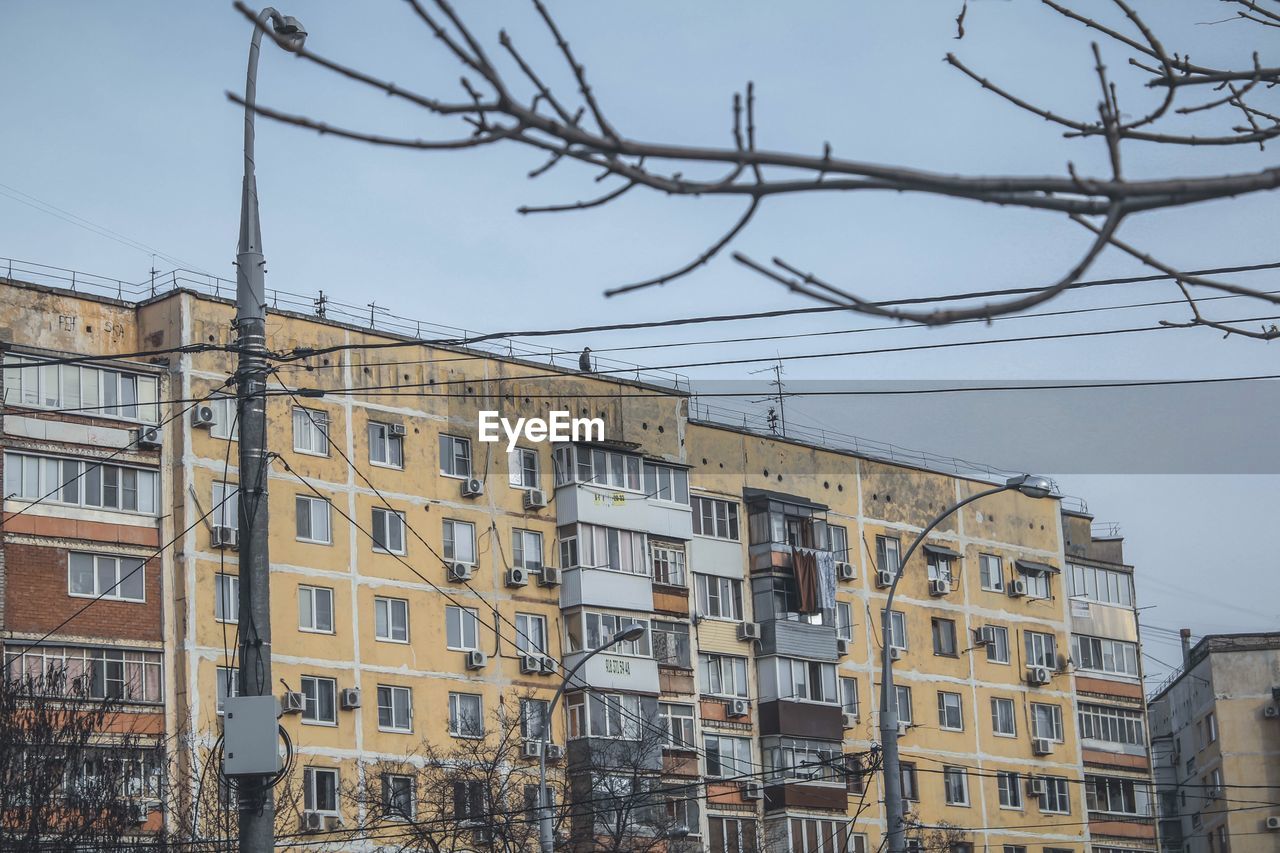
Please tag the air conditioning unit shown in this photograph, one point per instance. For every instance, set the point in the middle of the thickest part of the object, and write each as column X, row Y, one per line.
column 332, row 822
column 476, row 659
column 547, row 664
column 312, row 822
column 895, row 653
column 1273, row 823
column 459, row 572
column 848, row 721
column 293, row 702
column 202, row 416
column 149, row 437
column 1039, row 675
column 225, row 537
column 884, row 579
column 749, row 631
column 555, row 752
column 535, row 499
column 472, row 488
column 1042, row 746
column 1017, row 588
column 902, row 729
column 1214, row 794
column 1271, row 712
column 350, row 698
column 531, row 748
column 846, row 572
column 530, row 664
column 842, row 646
column 752, row 791
column 1036, row 787
column 396, row 429
column 737, row 708
column 549, row 576
column 938, row 586
column 982, row 637
column 138, row 812
column 517, row 577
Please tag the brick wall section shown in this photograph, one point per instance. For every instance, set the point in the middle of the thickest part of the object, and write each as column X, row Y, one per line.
column 37, row 599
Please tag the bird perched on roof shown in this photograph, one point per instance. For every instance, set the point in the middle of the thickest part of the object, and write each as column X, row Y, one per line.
column 584, row 360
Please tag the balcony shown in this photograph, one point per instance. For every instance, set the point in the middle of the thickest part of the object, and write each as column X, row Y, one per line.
column 593, row 504
column 795, row 639
column 605, row 588
column 622, row 673
column 802, row 719
column 806, row 795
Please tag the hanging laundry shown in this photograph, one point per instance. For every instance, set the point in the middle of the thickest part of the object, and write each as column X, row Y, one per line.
column 805, row 567
column 826, row 563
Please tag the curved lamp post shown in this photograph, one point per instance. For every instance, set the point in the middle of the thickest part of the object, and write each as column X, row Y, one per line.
column 545, row 831
column 1029, row 485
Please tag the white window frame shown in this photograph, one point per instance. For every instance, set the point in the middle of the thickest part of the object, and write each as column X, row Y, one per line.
column 1107, row 724
column 737, row 762
column 998, row 650
column 451, row 461
column 224, row 511
column 901, row 691
column 669, row 564
column 325, row 514
column 1123, row 656
column 311, row 431
column 848, row 689
column 1054, row 721
column 388, row 607
column 378, row 434
column 950, row 775
column 1039, row 583
column 531, row 633
column 991, row 572
column 524, row 468
column 1002, row 702
column 456, row 711
column 398, row 701
column 450, row 528
column 309, row 798
column 677, row 721
column 33, row 382
column 712, row 669
column 1009, row 790
column 318, row 682
column 310, row 609
column 381, row 530
column 724, row 517
column 897, row 630
column 1041, row 648
column 844, row 621
column 888, row 550
column 522, row 542
column 120, row 567
column 467, row 621
column 226, row 685
column 950, row 711
column 226, row 418
column 228, row 598
column 1102, row 586
column 1057, row 792
column 395, row 806
column 726, row 602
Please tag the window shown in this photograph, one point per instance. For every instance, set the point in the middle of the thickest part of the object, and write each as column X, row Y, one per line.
column 526, row 549
column 469, row 801
column 1115, row 657
column 910, row 787
column 1004, row 720
column 944, row 637
column 533, row 717
column 902, row 701
column 897, row 630
column 321, row 705
column 386, row 444
column 1102, row 585
column 1042, row 649
column 226, row 420
column 522, row 468
column 608, row 468
column 723, row 675
column 839, row 542
column 991, row 572
column 1037, row 582
column 718, row 598
column 666, row 483
column 955, row 785
column 677, row 721
column 591, row 630
column 810, row 681
column 102, row 576
column 387, row 530
column 1057, row 796
column 1046, row 721
column 997, row 637
column 459, row 541
column 391, row 619
column 605, row 548
column 1117, row 796
column 92, row 673
column 455, row 456
column 462, row 628
column 950, row 712
column 789, row 758
column 1112, row 725
column 395, row 708
column 224, row 511
column 320, row 789
column 715, row 518
column 313, row 519
column 939, row 566
column 226, row 684
column 80, row 483
column 398, row 798
column 668, row 563
column 97, row 391
column 614, row 715
column 849, row 695
column 311, row 431
column 887, row 553
column 1009, row 787
column 226, row 598
column 315, row 609
column 1211, row 727
column 732, row 835
column 726, row 756
column 465, row 715
column 531, row 633
column 671, row 644
column 844, row 620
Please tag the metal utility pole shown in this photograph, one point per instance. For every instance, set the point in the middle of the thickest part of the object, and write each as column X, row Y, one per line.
column 1027, row 484
column 257, row 810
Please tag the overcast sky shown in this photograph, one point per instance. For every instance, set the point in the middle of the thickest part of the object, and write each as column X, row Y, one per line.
column 116, row 113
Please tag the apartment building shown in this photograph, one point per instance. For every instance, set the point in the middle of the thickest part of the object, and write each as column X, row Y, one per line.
column 1215, row 733
column 430, row 590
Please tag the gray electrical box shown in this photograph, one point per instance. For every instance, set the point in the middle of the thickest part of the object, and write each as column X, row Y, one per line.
column 250, row 739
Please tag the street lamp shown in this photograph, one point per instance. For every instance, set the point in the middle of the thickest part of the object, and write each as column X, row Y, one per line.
column 629, row 634
column 257, row 812
column 1027, row 484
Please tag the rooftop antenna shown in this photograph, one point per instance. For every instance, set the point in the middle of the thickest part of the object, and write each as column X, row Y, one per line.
column 154, row 273
column 777, row 420
column 321, row 303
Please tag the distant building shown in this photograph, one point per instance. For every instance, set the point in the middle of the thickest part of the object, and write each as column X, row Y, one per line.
column 1215, row 731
